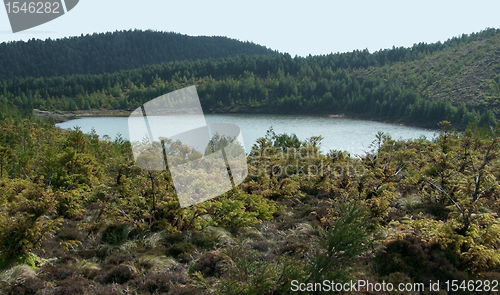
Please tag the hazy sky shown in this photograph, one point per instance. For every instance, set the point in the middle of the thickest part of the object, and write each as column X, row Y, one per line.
column 297, row 27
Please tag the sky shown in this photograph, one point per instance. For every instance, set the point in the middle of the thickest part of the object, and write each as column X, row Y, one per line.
column 297, row 27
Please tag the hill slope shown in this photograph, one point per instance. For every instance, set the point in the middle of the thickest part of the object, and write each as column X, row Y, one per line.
column 111, row 52
column 466, row 74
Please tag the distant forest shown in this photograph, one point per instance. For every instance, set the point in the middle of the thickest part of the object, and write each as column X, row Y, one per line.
column 457, row 80
column 110, row 52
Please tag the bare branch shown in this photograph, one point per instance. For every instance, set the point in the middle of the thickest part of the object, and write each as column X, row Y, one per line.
column 444, row 192
column 485, row 190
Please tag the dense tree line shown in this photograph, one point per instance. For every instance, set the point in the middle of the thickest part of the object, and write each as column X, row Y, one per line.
column 122, row 50
column 401, row 86
column 111, row 52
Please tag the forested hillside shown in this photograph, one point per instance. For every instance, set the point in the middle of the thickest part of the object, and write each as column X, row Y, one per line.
column 111, row 52
column 457, row 80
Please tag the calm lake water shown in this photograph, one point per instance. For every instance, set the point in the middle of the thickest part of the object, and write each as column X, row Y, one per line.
column 349, row 135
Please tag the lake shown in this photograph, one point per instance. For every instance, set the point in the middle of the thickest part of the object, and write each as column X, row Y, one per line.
column 351, row 135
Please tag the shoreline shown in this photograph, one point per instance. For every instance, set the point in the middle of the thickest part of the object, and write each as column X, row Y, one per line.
column 63, row 116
